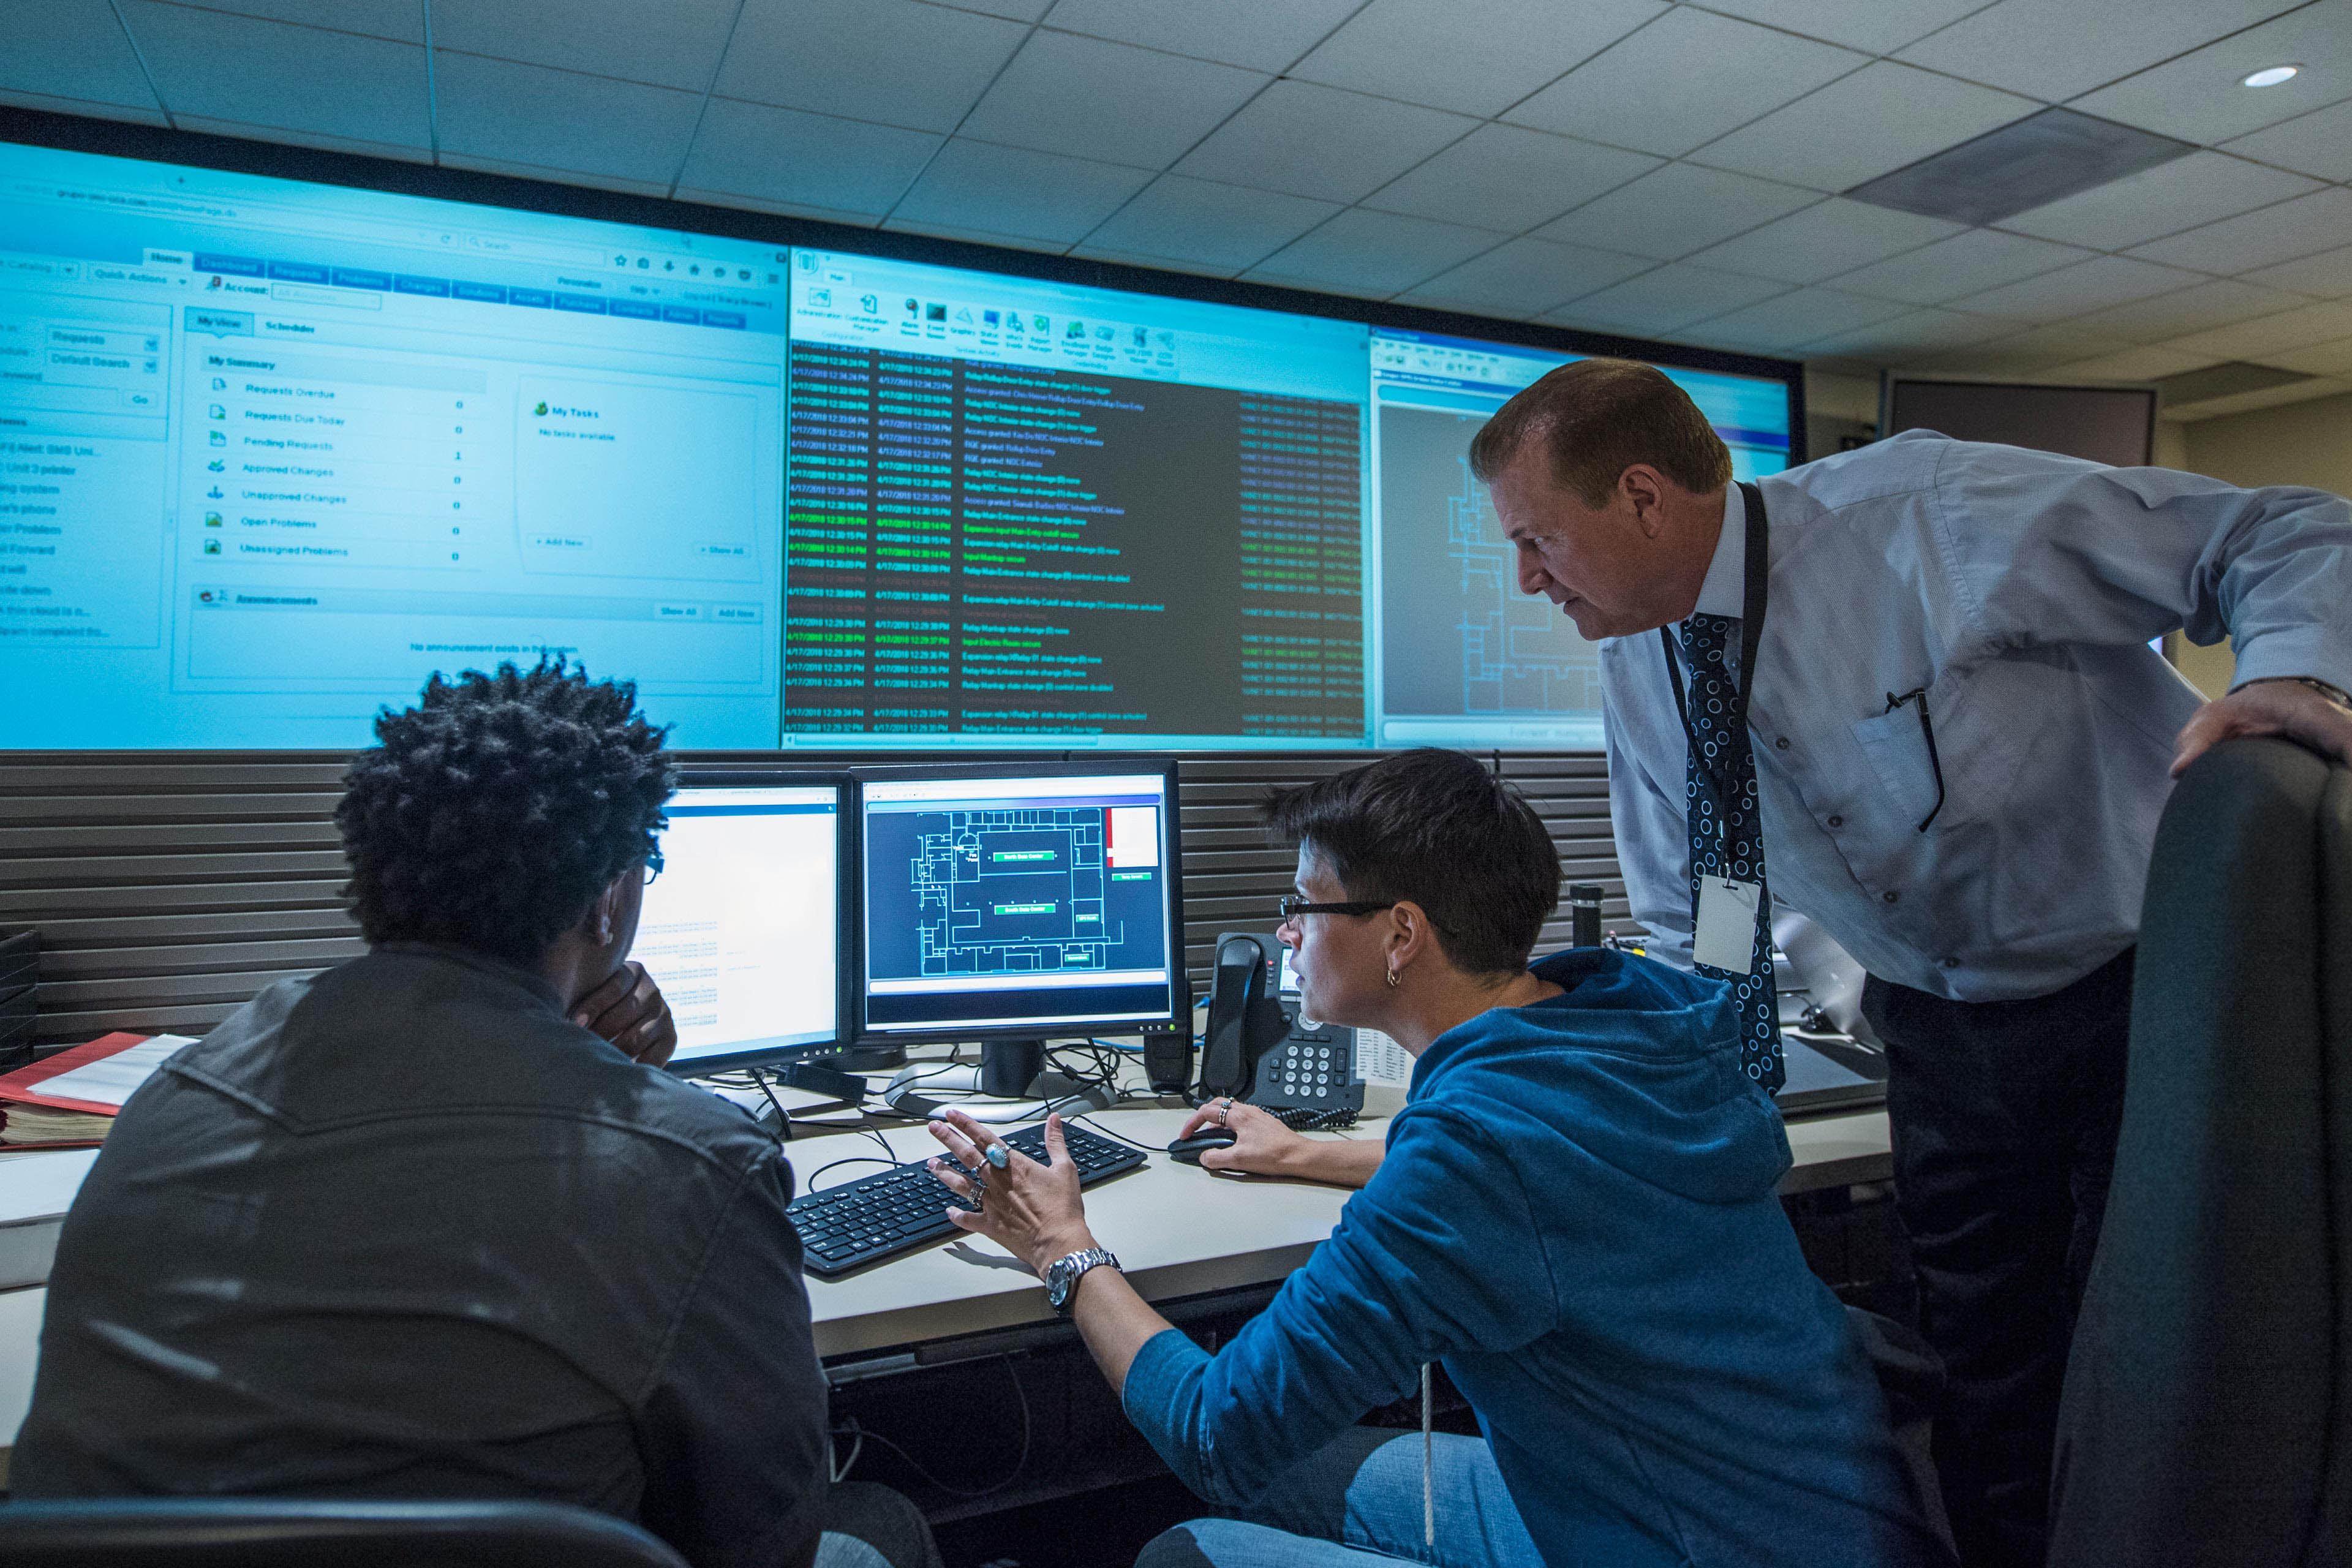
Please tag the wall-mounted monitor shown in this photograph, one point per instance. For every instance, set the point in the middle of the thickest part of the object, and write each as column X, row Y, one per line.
column 1460, row 657
column 2113, row 425
column 1025, row 510
column 273, row 451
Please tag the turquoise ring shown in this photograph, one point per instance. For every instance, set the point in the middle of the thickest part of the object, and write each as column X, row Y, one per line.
column 995, row 1155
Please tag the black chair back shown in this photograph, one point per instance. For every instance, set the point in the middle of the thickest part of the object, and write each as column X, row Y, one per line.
column 259, row 1533
column 2208, row 1409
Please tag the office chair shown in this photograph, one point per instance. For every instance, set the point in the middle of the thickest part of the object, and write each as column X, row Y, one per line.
column 261, row 1532
column 2207, row 1418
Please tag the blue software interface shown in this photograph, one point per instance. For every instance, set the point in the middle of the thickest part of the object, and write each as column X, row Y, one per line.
column 1460, row 657
column 1014, row 903
column 742, row 927
column 1024, row 512
column 272, row 452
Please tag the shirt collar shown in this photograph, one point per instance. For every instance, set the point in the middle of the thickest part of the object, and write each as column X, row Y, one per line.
column 1724, row 591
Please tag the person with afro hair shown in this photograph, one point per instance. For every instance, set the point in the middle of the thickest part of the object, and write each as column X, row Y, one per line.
column 433, row 1224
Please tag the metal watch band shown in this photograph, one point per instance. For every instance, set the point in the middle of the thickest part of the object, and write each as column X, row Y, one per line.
column 1063, row 1275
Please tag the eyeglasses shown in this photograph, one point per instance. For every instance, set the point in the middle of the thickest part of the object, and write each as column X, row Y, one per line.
column 1294, row 908
column 653, row 866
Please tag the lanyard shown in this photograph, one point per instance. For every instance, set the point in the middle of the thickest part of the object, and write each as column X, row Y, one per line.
column 1757, row 593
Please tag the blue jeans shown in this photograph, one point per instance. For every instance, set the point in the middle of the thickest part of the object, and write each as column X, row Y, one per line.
column 1358, row 1502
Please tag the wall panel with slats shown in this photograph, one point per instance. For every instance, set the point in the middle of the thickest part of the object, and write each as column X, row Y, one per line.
column 169, row 887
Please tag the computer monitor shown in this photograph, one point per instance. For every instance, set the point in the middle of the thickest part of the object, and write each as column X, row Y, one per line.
column 743, row 928
column 1008, row 903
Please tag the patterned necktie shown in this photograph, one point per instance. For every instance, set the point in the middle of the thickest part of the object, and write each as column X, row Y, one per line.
column 1735, row 849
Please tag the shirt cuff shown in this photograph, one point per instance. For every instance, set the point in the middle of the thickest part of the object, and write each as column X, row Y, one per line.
column 1162, row 1396
column 2302, row 650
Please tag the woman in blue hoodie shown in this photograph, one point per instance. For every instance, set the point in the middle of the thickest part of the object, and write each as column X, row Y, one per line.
column 1575, row 1213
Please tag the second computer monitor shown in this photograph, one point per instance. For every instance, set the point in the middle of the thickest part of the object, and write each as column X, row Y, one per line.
column 742, row 928
column 1020, row 900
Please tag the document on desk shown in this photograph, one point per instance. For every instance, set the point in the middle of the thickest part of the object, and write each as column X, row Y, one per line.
column 109, row 1080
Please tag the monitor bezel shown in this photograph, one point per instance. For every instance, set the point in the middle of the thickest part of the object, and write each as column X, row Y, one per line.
column 1180, row 1013
column 848, row 966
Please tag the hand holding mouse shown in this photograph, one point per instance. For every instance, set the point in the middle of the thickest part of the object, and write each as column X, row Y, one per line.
column 1261, row 1143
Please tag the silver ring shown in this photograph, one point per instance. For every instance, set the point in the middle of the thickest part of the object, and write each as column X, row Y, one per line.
column 979, row 1190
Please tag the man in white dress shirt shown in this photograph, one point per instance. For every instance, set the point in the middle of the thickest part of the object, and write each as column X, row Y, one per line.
column 1960, row 744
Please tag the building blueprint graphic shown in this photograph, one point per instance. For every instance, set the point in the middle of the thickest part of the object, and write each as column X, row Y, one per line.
column 1457, row 637
column 1011, row 890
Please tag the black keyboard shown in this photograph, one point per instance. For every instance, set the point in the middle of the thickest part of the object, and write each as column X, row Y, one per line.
column 881, row 1215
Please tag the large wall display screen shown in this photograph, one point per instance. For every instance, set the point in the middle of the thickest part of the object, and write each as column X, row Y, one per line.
column 1461, row 657
column 1020, row 509
column 271, row 453
column 274, row 452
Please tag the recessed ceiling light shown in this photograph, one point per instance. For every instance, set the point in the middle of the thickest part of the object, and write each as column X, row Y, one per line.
column 2271, row 76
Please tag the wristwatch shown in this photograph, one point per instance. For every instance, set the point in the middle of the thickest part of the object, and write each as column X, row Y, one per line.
column 1063, row 1274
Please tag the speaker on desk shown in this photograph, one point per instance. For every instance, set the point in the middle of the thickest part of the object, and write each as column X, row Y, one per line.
column 1167, row 1060
column 20, row 961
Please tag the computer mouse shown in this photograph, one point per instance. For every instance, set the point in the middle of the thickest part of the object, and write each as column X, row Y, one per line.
column 1188, row 1151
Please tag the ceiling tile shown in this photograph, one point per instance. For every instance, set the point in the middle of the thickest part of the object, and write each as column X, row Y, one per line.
column 1246, row 33
column 1153, row 263
column 72, row 49
column 2054, row 49
column 1967, row 263
column 2317, row 143
column 782, row 209
column 2306, row 224
column 1362, row 252
column 1318, row 142
column 401, row 20
column 2133, row 365
column 603, row 38
column 2285, row 332
column 2319, row 359
column 2192, row 309
column 2164, row 200
column 283, row 137
column 515, row 169
column 2090, row 285
column 562, row 119
column 1018, row 10
column 804, row 160
column 1902, row 337
column 1675, row 210
column 1663, row 300
column 2026, row 352
column 1199, row 223
column 1475, row 57
column 822, row 55
column 1089, row 99
column 2327, row 274
column 1800, row 316
column 977, row 236
column 271, row 73
column 1013, row 190
column 2197, row 97
column 1524, row 278
column 1824, row 240
column 1683, row 80
column 84, row 107
column 1502, row 177
column 1881, row 118
column 1880, row 27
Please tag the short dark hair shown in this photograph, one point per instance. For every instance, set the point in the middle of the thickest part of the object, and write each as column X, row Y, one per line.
column 490, row 815
column 1436, row 828
column 1597, row 418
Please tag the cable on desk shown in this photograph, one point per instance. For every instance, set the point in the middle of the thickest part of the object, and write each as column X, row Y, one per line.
column 810, row 1184
column 1020, row 1462
column 1098, row 1126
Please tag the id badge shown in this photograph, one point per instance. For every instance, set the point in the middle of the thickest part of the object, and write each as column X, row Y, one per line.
column 1724, row 936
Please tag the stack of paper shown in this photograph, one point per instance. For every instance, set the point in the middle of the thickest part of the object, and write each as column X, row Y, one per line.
column 71, row 1098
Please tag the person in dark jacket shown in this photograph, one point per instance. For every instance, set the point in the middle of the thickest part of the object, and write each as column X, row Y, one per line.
column 1575, row 1213
column 433, row 1224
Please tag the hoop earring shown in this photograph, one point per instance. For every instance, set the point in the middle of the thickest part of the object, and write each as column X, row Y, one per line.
column 1393, row 980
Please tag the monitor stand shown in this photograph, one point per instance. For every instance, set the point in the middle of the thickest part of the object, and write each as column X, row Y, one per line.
column 1007, row 1067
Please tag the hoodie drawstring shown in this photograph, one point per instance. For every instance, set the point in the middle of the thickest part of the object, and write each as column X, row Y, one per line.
column 1428, row 1487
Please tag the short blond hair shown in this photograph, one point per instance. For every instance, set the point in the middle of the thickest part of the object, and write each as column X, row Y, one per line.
column 1597, row 418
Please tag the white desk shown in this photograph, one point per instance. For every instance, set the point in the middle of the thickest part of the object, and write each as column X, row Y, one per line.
column 1179, row 1231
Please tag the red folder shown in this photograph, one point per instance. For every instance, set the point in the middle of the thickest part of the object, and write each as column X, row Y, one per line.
column 23, row 1086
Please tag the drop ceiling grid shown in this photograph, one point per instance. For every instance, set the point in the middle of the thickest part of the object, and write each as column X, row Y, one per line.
column 1340, row 143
